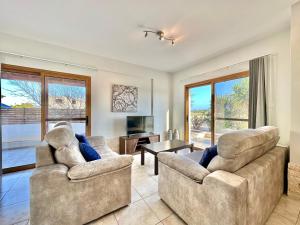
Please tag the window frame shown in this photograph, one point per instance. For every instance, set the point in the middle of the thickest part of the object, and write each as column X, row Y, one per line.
column 211, row 82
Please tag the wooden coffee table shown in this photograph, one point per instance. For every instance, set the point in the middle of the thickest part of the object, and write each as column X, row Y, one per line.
column 164, row 146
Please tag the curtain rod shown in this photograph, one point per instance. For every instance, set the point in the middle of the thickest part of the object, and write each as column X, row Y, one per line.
column 70, row 64
column 219, row 69
column 49, row 60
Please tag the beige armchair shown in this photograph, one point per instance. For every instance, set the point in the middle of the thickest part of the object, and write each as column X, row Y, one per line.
column 85, row 192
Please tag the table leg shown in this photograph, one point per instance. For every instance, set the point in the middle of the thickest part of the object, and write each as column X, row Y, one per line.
column 155, row 165
column 142, row 156
column 192, row 147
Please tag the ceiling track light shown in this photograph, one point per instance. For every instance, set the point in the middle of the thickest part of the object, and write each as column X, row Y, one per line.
column 161, row 36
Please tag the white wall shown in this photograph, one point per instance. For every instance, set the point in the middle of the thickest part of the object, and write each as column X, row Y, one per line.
column 278, row 44
column 109, row 72
column 295, row 118
column 168, row 90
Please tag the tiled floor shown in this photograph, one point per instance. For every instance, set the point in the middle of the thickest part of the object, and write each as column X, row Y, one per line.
column 146, row 207
column 18, row 157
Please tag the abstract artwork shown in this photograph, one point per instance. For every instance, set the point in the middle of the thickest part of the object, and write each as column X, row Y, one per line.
column 124, row 98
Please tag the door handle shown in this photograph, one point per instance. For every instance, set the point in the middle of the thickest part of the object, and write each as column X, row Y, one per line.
column 87, row 120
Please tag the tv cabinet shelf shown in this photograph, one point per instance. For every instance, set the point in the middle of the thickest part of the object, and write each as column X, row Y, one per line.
column 132, row 144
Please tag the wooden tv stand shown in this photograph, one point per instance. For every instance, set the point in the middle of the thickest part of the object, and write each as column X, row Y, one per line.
column 132, row 144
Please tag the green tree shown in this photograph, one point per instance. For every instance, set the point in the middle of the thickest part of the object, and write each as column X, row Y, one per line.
column 200, row 118
column 234, row 105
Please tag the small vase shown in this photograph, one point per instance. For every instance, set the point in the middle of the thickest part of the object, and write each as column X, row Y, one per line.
column 170, row 134
column 176, row 134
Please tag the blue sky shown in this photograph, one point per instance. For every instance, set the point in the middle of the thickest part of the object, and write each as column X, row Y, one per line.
column 201, row 96
column 11, row 100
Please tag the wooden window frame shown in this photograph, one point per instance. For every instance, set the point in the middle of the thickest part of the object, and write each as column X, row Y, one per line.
column 211, row 82
column 44, row 92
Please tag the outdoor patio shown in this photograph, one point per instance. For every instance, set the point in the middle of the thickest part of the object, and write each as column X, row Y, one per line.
column 18, row 157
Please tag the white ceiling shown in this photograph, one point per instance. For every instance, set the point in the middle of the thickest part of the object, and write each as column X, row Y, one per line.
column 113, row 29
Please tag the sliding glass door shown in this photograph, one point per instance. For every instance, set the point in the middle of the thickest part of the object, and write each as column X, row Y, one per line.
column 231, row 105
column 200, row 115
column 20, row 118
column 66, row 101
column 215, row 107
column 32, row 101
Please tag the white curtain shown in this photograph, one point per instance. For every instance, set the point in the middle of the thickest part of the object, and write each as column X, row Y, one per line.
column 271, row 84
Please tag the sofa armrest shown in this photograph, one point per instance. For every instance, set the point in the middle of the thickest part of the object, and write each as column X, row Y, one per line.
column 184, row 165
column 44, row 155
column 48, row 175
column 227, row 193
column 99, row 167
column 96, row 141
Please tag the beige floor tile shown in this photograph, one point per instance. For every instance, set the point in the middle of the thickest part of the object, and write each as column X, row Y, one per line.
column 14, row 213
column 173, row 220
column 276, row 219
column 137, row 213
column 145, row 186
column 289, row 208
column 139, row 173
column 135, row 196
column 161, row 210
column 155, row 178
column 109, row 219
column 294, row 196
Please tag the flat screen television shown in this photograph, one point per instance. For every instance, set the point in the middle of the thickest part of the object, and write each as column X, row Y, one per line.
column 139, row 124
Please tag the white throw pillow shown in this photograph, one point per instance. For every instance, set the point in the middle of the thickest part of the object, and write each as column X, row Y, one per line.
column 69, row 155
column 60, row 136
column 66, row 146
column 63, row 123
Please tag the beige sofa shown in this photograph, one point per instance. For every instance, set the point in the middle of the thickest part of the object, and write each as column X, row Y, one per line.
column 63, row 196
column 241, row 186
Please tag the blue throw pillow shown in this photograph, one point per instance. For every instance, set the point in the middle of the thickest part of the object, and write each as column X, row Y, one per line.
column 208, row 155
column 88, row 152
column 82, row 139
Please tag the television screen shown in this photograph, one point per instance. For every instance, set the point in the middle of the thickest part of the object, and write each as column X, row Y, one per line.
column 139, row 124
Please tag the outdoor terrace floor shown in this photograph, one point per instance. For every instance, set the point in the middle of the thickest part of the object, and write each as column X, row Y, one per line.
column 18, row 157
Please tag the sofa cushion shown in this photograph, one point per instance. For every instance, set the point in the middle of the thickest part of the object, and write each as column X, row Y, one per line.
column 99, row 144
column 233, row 144
column 96, row 141
column 184, row 165
column 66, row 146
column 60, row 136
column 208, row 155
column 98, row 167
column 88, row 152
column 256, row 143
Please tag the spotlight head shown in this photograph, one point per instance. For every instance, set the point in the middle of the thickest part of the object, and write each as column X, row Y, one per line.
column 161, row 35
